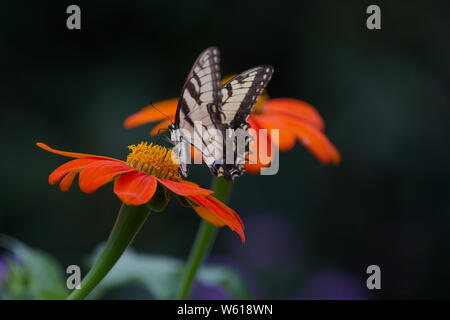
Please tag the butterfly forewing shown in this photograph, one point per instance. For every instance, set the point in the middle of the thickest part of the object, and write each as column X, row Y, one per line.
column 201, row 91
column 200, row 99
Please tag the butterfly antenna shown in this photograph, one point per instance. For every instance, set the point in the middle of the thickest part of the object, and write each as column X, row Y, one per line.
column 165, row 115
column 161, row 129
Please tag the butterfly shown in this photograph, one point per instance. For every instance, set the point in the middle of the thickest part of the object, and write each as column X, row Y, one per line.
column 209, row 113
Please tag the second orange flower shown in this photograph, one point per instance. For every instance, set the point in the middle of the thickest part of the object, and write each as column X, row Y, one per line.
column 296, row 120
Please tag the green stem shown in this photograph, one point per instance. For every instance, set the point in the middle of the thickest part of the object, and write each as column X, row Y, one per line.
column 128, row 223
column 204, row 240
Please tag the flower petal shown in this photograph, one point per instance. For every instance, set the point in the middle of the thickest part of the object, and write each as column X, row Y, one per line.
column 71, row 154
column 315, row 141
column 286, row 137
column 100, row 172
column 335, row 155
column 71, row 166
column 189, row 183
column 67, row 181
column 253, row 168
column 295, row 108
column 160, row 126
column 184, row 188
column 261, row 162
column 228, row 78
column 208, row 216
column 218, row 213
column 135, row 188
column 196, row 155
column 154, row 112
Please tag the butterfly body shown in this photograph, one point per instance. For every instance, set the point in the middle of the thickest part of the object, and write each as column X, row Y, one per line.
column 208, row 114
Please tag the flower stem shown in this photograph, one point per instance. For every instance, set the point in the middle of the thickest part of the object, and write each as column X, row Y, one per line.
column 128, row 223
column 204, row 240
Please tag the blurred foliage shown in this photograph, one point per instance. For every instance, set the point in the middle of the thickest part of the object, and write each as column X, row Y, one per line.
column 34, row 274
column 31, row 273
column 161, row 275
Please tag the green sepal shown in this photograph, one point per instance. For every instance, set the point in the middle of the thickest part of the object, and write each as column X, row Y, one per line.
column 159, row 200
column 185, row 202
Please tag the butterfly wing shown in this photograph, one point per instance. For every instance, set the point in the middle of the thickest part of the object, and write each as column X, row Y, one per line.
column 199, row 102
column 239, row 97
column 205, row 102
column 201, row 94
column 241, row 92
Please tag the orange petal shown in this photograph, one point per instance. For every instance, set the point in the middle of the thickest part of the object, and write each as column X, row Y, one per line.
column 218, row 214
column 100, row 172
column 70, row 154
column 228, row 78
column 135, row 188
column 160, row 126
column 315, row 141
column 208, row 216
column 286, row 137
column 335, row 155
column 184, row 189
column 255, row 168
column 67, row 181
column 189, row 183
column 196, row 155
column 154, row 112
column 294, row 108
column 71, row 166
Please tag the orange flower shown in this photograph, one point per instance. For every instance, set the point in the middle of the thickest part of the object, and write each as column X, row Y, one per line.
column 136, row 181
column 295, row 119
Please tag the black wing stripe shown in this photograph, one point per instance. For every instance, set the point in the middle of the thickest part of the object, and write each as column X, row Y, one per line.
column 204, row 99
column 239, row 98
column 201, row 88
column 183, row 107
column 190, row 87
column 242, row 92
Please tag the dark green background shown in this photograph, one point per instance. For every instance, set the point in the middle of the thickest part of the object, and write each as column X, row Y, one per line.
column 312, row 229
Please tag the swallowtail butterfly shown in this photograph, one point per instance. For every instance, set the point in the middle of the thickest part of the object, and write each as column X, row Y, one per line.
column 204, row 100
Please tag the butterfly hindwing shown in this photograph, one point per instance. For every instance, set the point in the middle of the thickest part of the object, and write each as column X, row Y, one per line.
column 241, row 92
column 239, row 97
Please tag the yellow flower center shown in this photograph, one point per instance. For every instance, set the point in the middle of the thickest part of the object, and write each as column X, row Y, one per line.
column 153, row 160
